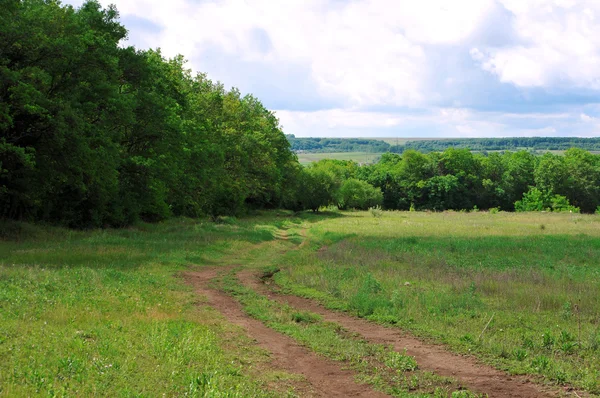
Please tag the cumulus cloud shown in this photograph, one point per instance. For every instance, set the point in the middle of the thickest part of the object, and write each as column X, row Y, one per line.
column 386, row 67
column 559, row 45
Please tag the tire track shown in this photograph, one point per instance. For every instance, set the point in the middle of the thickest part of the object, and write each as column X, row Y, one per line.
column 326, row 378
column 472, row 374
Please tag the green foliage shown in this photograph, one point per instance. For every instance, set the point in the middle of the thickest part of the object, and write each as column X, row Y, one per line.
column 356, row 194
column 328, row 145
column 95, row 134
column 458, row 179
column 502, row 144
column 533, row 200
column 536, row 200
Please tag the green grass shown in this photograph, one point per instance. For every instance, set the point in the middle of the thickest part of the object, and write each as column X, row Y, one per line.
column 536, row 276
column 104, row 313
column 359, row 157
column 391, row 372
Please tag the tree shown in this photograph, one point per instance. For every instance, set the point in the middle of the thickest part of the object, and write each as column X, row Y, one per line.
column 356, row 194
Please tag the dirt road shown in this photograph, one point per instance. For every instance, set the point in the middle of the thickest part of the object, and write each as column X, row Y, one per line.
column 325, row 378
column 469, row 372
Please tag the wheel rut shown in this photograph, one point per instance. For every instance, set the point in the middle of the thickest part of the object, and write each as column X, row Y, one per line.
column 467, row 370
column 325, row 377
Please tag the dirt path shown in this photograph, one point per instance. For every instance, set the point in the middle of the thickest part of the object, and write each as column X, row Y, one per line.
column 326, row 378
column 472, row 374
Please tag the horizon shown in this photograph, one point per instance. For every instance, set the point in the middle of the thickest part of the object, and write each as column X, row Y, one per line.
column 473, row 68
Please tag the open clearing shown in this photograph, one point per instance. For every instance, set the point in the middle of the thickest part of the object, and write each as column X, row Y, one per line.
column 406, row 304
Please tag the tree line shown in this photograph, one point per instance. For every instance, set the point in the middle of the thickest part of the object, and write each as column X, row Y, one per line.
column 330, row 145
column 94, row 134
column 458, row 179
column 501, row 144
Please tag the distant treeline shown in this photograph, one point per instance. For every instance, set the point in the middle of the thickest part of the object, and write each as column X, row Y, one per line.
column 502, row 144
column 325, row 145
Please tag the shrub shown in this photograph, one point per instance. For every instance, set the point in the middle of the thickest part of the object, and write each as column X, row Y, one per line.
column 537, row 200
column 356, row 194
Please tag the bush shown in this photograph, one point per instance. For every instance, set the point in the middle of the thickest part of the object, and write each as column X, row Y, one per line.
column 537, row 200
column 533, row 200
column 356, row 194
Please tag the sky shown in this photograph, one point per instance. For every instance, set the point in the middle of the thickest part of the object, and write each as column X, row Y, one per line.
column 392, row 68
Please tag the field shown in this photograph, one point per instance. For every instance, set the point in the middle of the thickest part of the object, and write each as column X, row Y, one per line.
column 358, row 157
column 177, row 308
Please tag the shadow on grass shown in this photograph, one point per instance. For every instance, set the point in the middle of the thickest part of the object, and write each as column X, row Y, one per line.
column 176, row 243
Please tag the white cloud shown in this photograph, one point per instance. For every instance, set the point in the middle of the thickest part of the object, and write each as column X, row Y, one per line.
column 296, row 122
column 588, row 119
column 406, row 57
column 361, row 52
column 559, row 45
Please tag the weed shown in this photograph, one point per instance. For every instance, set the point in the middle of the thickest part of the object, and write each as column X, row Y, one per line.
column 305, row 317
column 376, row 211
column 99, row 312
column 540, row 364
column 520, row 354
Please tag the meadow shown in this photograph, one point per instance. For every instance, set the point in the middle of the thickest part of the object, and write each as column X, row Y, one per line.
column 107, row 312
column 104, row 312
column 519, row 290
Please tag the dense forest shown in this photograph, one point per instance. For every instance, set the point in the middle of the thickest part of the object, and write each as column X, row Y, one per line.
column 324, row 145
column 93, row 133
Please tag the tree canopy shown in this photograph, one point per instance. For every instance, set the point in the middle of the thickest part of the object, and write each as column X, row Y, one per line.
column 93, row 133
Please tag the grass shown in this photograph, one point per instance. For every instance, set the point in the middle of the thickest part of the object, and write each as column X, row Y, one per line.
column 102, row 312
column 445, row 276
column 359, row 157
column 386, row 370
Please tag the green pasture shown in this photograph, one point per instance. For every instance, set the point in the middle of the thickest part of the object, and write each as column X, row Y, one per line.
column 521, row 291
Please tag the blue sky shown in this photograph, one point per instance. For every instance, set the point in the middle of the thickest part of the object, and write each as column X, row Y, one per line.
column 393, row 68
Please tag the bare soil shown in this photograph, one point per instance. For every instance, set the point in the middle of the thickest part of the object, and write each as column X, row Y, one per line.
column 324, row 378
column 471, row 373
